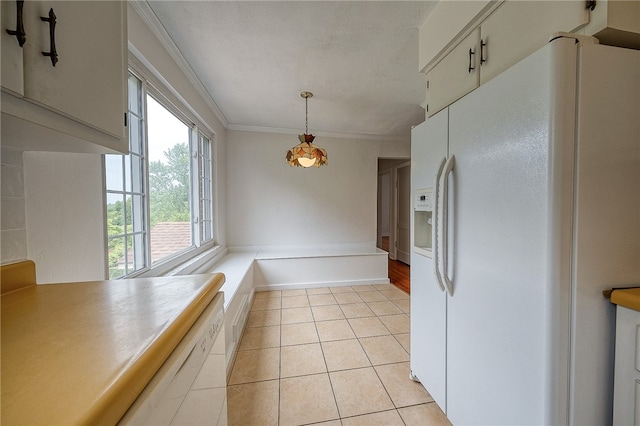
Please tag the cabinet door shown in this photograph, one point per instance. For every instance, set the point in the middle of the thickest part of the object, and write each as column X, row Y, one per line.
column 88, row 81
column 519, row 28
column 11, row 50
column 448, row 21
column 455, row 76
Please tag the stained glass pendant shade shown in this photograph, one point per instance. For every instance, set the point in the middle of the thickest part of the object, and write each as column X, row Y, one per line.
column 306, row 154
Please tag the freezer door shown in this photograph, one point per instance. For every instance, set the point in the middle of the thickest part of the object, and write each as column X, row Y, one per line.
column 497, row 319
column 428, row 301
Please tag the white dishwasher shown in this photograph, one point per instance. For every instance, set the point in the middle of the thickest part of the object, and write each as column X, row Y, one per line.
column 190, row 387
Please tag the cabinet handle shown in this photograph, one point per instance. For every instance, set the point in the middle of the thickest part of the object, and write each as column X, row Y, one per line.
column 52, row 37
column 19, row 31
column 483, row 58
column 471, row 53
column 591, row 5
column 435, row 241
column 444, row 224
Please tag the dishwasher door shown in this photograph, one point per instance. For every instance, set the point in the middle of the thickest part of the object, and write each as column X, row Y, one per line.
column 190, row 387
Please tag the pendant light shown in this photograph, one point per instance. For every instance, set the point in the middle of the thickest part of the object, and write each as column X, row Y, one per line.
column 306, row 154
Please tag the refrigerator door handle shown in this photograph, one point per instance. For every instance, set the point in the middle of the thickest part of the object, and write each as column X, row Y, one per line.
column 444, row 255
column 435, row 225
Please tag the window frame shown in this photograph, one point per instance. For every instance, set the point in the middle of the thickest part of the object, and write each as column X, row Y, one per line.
column 172, row 263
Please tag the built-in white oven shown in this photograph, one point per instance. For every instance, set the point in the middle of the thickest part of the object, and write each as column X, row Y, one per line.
column 190, row 387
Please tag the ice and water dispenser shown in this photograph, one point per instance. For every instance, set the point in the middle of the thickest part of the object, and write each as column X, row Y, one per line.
column 422, row 221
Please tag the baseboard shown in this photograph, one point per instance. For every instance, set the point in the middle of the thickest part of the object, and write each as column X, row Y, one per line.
column 297, row 286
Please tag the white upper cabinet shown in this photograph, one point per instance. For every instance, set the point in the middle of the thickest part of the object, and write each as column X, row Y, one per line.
column 509, row 33
column 82, row 92
column 519, row 28
column 456, row 75
column 448, row 23
column 616, row 23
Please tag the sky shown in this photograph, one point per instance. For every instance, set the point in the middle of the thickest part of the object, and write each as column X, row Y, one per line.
column 164, row 131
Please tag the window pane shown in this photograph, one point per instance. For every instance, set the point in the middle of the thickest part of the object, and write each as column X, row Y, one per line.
column 138, row 213
column 136, row 136
column 127, row 172
column 139, row 251
column 115, row 214
column 137, row 173
column 127, row 215
column 135, row 91
column 205, row 189
column 134, row 173
column 116, row 258
column 169, row 182
column 128, row 256
column 113, row 169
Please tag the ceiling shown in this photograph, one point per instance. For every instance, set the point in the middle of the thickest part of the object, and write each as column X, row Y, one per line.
column 359, row 58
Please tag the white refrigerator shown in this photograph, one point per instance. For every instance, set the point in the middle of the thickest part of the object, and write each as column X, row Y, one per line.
column 538, row 212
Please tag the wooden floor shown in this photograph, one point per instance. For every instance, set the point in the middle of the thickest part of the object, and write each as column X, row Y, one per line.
column 399, row 273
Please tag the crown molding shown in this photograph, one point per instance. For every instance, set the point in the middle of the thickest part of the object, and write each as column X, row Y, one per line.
column 286, row 131
column 147, row 15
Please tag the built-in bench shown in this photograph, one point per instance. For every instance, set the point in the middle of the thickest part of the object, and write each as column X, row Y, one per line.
column 238, row 290
column 320, row 267
column 279, row 269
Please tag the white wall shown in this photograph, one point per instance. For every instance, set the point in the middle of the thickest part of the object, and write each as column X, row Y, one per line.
column 13, row 234
column 65, row 219
column 270, row 203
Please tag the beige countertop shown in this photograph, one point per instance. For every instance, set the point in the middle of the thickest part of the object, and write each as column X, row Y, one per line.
column 629, row 298
column 80, row 353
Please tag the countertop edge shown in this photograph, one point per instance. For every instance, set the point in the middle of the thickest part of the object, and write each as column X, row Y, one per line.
column 629, row 298
column 117, row 399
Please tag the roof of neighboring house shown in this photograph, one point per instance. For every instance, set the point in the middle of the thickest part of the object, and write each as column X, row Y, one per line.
column 169, row 237
column 166, row 239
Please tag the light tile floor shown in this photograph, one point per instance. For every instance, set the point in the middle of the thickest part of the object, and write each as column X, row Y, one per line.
column 330, row 356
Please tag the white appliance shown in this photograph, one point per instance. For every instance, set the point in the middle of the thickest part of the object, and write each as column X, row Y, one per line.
column 190, row 387
column 536, row 176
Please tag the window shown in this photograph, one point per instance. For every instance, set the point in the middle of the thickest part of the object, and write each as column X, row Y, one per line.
column 206, row 189
column 159, row 197
column 169, row 182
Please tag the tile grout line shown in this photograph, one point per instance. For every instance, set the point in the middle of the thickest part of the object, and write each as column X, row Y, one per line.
column 324, row 359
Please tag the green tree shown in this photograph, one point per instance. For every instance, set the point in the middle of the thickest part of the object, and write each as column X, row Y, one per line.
column 116, row 224
column 169, row 186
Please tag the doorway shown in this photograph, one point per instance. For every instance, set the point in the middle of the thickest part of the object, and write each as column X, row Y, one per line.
column 403, row 213
column 393, row 212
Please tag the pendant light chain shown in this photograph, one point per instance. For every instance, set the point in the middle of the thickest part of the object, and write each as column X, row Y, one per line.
column 306, row 114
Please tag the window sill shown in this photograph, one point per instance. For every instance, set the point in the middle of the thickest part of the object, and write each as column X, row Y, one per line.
column 182, row 264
